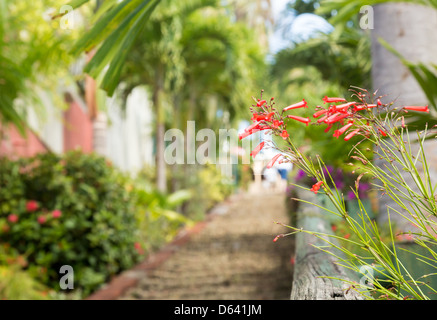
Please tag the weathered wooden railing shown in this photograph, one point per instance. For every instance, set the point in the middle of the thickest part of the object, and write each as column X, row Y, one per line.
column 312, row 265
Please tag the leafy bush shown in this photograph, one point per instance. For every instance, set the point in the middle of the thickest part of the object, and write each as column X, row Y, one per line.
column 72, row 210
column 157, row 219
column 208, row 187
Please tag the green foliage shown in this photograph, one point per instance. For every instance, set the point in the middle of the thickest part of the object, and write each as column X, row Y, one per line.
column 157, row 219
column 33, row 54
column 16, row 284
column 96, row 230
column 349, row 9
column 117, row 27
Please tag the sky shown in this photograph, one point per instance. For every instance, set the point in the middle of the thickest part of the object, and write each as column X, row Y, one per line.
column 303, row 26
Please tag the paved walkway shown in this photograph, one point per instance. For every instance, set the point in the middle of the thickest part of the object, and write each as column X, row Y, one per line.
column 232, row 257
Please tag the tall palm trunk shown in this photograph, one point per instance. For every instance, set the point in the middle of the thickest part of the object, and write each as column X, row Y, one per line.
column 161, row 179
column 411, row 30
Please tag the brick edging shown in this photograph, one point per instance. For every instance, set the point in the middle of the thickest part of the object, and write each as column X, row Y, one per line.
column 130, row 278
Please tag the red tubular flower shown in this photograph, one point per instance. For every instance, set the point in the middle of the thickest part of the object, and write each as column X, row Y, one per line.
column 257, row 149
column 322, row 119
column 336, row 117
column 284, row 134
column 246, row 134
column 383, row 133
column 344, row 106
column 249, row 132
column 333, row 100
column 342, row 130
column 277, row 237
column 302, row 104
column 351, row 134
column 272, row 162
column 263, row 116
column 260, row 103
column 253, row 126
column 319, row 113
column 363, row 107
column 301, row 119
column 276, row 124
column 328, row 128
column 316, row 187
column 417, row 108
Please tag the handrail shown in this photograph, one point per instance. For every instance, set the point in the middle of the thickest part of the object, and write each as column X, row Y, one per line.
column 313, row 265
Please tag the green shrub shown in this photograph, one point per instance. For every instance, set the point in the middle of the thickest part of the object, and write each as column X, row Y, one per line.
column 209, row 187
column 75, row 210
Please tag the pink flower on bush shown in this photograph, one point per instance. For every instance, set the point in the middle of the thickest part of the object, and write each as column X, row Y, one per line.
column 138, row 248
column 13, row 218
column 31, row 205
column 41, row 219
column 56, row 214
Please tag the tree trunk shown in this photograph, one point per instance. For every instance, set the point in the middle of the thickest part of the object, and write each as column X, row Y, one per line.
column 161, row 176
column 411, row 30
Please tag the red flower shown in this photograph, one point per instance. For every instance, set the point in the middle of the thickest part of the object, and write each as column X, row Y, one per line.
column 253, row 126
column 284, row 134
column 31, row 205
column 272, row 162
column 319, row 113
column 347, row 236
column 316, row 187
column 333, row 100
column 334, row 227
column 362, row 107
column 343, row 107
column 336, row 117
column 417, row 108
column 260, row 103
column 276, row 124
column 56, row 214
column 351, row 134
column 257, row 149
column 383, row 133
column 302, row 104
column 41, row 219
column 342, row 130
column 248, row 133
column 263, row 116
column 328, row 127
column 138, row 248
column 277, row 237
column 322, row 119
column 12, row 218
column 300, row 119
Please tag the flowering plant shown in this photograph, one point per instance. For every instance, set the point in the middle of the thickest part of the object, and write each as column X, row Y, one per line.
column 397, row 176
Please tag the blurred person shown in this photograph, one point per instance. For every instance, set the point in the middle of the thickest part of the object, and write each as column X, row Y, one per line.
column 270, row 178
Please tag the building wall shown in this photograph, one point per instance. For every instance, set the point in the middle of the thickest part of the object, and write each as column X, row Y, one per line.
column 14, row 145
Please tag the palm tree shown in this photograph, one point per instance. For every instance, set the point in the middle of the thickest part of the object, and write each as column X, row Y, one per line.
column 174, row 57
column 416, row 42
